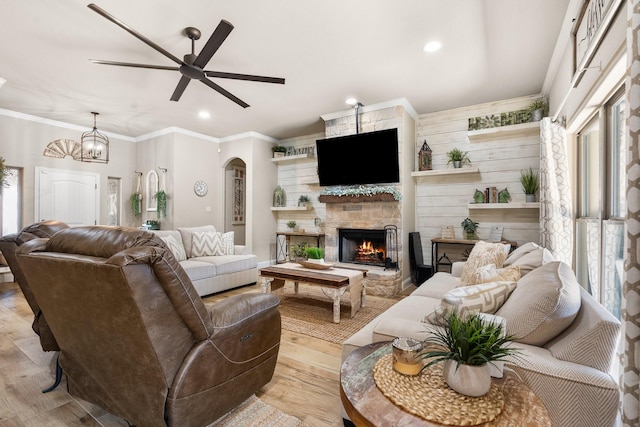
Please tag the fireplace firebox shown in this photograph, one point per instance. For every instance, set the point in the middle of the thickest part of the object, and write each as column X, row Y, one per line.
column 365, row 246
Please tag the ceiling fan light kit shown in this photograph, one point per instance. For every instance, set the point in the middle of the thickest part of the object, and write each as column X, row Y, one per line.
column 192, row 66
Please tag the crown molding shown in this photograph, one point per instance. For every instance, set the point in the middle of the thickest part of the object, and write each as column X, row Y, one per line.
column 250, row 134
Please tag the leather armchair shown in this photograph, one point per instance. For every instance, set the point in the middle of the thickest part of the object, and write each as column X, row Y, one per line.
column 8, row 246
column 136, row 339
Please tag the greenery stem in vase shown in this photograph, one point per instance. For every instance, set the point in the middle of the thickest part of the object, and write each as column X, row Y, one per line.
column 469, row 226
column 458, row 158
column 530, row 181
column 161, row 203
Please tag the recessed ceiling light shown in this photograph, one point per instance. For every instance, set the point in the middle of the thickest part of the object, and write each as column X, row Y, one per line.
column 432, row 46
column 351, row 101
column 204, row 114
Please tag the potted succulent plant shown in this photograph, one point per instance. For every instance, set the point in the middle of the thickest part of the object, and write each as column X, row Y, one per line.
column 278, row 150
column 538, row 109
column 467, row 345
column 469, row 226
column 458, row 158
column 530, row 183
column 303, row 200
column 315, row 254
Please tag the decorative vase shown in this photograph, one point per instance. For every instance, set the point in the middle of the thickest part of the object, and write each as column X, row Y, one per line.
column 530, row 198
column 471, row 235
column 457, row 164
column 469, row 380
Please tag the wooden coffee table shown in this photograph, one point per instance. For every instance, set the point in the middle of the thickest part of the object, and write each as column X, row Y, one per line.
column 367, row 406
column 334, row 283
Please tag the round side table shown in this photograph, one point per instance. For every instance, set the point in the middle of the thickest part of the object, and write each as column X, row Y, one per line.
column 367, row 406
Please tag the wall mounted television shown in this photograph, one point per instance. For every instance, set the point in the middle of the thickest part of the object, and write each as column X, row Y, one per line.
column 364, row 158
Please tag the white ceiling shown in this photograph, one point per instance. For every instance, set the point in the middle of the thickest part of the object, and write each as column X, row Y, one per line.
column 327, row 51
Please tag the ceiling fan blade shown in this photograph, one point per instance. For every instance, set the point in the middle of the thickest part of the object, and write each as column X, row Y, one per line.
column 130, row 64
column 224, row 92
column 248, row 77
column 219, row 35
column 133, row 32
column 182, row 85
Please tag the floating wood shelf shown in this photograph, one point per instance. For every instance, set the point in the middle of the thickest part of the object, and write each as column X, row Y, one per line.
column 285, row 159
column 290, row 208
column 463, row 170
column 380, row 197
column 522, row 129
column 521, row 205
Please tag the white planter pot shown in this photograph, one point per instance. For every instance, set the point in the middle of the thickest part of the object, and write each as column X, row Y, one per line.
column 317, row 261
column 466, row 379
column 530, row 198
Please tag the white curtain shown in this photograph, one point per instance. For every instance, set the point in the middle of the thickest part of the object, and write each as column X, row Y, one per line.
column 556, row 227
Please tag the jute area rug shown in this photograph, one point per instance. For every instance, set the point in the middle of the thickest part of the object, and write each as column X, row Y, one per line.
column 310, row 312
column 253, row 412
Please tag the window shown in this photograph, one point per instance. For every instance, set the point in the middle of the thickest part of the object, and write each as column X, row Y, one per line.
column 11, row 202
column 601, row 209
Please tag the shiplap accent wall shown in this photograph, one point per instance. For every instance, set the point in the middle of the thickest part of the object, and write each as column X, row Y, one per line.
column 443, row 199
column 298, row 178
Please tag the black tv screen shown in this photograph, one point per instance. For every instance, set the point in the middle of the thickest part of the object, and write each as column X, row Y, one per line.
column 365, row 158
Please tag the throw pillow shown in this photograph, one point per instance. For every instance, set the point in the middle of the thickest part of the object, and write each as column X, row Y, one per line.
column 519, row 252
column 187, row 236
column 533, row 260
column 175, row 247
column 545, row 303
column 489, row 273
column 483, row 253
column 207, row 243
column 469, row 300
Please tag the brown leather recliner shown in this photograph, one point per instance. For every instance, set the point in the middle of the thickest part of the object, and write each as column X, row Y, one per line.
column 136, row 339
column 8, row 246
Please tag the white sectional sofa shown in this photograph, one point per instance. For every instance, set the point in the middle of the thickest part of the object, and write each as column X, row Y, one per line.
column 210, row 259
column 568, row 340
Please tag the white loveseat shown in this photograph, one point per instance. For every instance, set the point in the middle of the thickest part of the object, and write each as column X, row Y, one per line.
column 568, row 340
column 210, row 259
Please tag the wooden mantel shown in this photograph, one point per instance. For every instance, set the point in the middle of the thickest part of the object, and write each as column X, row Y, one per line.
column 348, row 198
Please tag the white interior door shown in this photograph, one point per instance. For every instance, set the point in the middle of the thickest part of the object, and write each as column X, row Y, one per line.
column 67, row 196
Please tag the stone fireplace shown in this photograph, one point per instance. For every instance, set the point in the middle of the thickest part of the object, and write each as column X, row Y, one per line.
column 355, row 227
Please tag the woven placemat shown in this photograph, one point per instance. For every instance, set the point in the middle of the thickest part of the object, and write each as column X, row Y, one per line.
column 429, row 397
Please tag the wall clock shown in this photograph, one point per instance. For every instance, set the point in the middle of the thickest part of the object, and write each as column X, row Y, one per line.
column 200, row 188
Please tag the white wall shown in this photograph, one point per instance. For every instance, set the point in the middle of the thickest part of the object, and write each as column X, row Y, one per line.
column 23, row 139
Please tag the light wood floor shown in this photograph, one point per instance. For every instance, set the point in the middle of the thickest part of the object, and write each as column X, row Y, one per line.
column 305, row 383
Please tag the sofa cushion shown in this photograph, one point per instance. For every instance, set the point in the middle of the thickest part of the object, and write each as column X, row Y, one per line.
column 197, row 270
column 489, row 273
column 225, row 264
column 187, row 236
column 483, row 253
column 531, row 257
column 439, row 284
column 470, row 300
column 208, row 243
column 545, row 303
column 175, row 247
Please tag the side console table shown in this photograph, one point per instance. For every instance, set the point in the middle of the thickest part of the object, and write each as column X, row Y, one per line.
column 283, row 243
column 458, row 251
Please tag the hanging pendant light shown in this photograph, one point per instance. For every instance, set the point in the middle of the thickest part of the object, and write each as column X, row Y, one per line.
column 94, row 146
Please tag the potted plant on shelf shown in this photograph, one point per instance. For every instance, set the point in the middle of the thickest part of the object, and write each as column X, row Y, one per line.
column 299, row 251
column 291, row 225
column 278, row 150
column 303, row 200
column 469, row 228
column 538, row 109
column 458, row 158
column 467, row 345
column 315, row 254
column 530, row 183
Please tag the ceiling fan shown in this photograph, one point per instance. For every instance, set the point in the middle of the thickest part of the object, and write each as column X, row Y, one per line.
column 192, row 67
